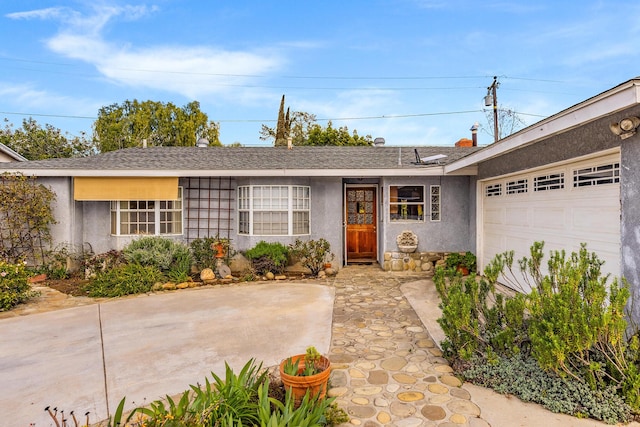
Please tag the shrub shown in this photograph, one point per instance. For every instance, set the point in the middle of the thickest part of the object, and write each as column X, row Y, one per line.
column 123, row 280
column 268, row 257
column 102, row 262
column 164, row 254
column 204, row 256
column 312, row 253
column 572, row 322
column 14, row 286
column 521, row 376
column 26, row 218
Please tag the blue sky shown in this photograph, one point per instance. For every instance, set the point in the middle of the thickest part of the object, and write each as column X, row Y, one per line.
column 412, row 71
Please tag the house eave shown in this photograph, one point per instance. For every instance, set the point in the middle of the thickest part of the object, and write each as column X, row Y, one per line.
column 416, row 171
column 619, row 98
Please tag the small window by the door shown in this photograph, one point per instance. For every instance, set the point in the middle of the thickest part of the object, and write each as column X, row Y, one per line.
column 406, row 203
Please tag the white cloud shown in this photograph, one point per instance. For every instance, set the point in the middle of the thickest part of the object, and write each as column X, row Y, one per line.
column 48, row 13
column 193, row 72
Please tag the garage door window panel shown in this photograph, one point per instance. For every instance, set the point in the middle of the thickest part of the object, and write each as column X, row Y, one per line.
column 597, row 175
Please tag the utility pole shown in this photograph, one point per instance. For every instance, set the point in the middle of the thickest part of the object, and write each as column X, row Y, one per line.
column 492, row 97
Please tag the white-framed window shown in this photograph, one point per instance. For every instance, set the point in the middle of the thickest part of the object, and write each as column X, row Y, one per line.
column 518, row 186
column 597, row 175
column 406, row 203
column 274, row 210
column 434, row 202
column 153, row 217
column 552, row 181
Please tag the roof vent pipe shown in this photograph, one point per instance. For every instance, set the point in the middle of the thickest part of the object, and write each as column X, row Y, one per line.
column 202, row 142
column 378, row 142
column 474, row 134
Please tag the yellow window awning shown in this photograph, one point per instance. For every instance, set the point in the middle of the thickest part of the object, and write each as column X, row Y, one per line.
column 125, row 188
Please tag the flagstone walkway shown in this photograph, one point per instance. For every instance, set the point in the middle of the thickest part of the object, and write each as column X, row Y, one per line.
column 387, row 370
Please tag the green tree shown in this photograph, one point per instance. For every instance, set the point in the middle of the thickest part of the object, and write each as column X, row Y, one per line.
column 302, row 128
column 159, row 124
column 335, row 136
column 35, row 142
column 26, row 217
column 283, row 126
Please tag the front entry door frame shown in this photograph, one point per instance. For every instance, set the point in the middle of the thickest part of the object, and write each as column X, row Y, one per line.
column 363, row 236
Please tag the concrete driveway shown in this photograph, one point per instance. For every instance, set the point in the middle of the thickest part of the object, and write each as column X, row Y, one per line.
column 145, row 347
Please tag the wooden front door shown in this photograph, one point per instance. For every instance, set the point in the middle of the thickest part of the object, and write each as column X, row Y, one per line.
column 361, row 223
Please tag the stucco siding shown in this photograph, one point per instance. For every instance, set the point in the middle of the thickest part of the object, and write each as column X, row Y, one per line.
column 452, row 233
column 326, row 212
column 587, row 139
column 630, row 219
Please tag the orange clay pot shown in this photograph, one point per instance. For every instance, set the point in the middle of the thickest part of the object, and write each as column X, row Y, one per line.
column 316, row 384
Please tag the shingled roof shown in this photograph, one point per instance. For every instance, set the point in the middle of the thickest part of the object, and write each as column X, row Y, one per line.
column 229, row 161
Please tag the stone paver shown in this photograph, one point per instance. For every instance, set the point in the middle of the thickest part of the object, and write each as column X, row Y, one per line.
column 387, row 370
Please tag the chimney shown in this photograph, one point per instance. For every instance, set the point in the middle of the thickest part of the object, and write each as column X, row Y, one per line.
column 474, row 134
column 289, row 143
column 144, row 143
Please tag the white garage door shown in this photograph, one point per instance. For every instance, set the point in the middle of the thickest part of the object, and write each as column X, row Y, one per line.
column 563, row 206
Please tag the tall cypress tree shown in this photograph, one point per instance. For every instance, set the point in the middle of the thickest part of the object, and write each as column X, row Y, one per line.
column 281, row 128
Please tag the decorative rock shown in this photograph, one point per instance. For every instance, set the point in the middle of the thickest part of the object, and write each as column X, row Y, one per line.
column 207, row 274
column 393, row 363
column 458, row 419
column 378, row 377
column 281, row 277
column 438, row 389
column 363, row 365
column 392, row 388
column 450, row 380
column 433, row 412
column 444, row 368
column 356, row 373
column 464, row 407
column 336, row 391
column 361, row 411
column 439, row 399
column 169, row 286
column 381, row 402
column 367, row 391
column 410, row 396
column 460, row 393
column 269, row 275
column 426, row 343
column 404, row 378
column 409, row 422
column 322, row 274
column 183, row 285
column 402, row 409
column 383, row 417
column 157, row 287
column 360, row 401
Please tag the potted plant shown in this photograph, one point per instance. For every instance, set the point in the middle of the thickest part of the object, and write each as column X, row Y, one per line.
column 220, row 246
column 306, row 373
column 463, row 263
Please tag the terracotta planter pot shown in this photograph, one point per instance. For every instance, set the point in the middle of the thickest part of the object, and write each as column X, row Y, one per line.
column 463, row 270
column 37, row 279
column 316, row 384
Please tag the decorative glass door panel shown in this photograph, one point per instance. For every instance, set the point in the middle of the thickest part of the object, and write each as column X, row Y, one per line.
column 361, row 223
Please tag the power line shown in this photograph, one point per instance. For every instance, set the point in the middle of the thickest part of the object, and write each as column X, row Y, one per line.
column 384, row 116
column 302, row 77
